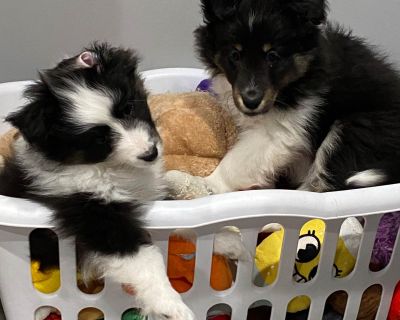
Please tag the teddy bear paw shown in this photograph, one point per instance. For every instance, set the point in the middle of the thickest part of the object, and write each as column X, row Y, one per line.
column 183, row 186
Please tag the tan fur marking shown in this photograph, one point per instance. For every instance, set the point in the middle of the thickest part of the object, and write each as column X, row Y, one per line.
column 302, row 63
column 269, row 96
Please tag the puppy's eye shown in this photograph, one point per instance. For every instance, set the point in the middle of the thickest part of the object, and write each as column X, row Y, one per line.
column 129, row 108
column 272, row 56
column 101, row 140
column 234, row 56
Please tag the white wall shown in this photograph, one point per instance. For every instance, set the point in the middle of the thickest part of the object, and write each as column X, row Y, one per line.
column 34, row 34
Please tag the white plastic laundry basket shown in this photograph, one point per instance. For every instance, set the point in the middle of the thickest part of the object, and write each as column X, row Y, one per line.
column 247, row 210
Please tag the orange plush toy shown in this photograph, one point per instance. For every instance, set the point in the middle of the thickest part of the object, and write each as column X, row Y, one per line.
column 181, row 263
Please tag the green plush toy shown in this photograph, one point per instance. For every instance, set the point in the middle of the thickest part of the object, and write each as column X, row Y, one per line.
column 133, row 314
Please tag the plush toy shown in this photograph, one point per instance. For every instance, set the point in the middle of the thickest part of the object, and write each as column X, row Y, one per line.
column 95, row 314
column 181, row 262
column 132, row 314
column 220, row 317
column 311, row 239
column 47, row 281
column 90, row 314
column 394, row 313
column 195, row 131
column 53, row 316
column 381, row 254
column 385, row 239
column 47, row 313
column 5, row 144
column 368, row 307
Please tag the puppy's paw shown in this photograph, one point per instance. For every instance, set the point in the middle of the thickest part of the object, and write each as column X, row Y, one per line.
column 183, row 186
column 228, row 242
column 169, row 307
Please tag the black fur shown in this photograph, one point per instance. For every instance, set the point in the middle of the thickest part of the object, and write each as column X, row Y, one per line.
column 361, row 90
column 99, row 226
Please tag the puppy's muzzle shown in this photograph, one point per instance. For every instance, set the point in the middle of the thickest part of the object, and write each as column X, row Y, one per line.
column 150, row 155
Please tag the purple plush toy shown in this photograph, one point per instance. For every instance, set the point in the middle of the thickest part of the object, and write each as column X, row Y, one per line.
column 206, row 86
column 385, row 239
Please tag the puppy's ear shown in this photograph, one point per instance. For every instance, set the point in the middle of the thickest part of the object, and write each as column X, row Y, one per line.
column 217, row 10
column 34, row 119
column 313, row 11
column 86, row 59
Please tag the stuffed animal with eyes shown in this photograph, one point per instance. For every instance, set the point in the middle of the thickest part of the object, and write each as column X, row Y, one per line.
column 311, row 239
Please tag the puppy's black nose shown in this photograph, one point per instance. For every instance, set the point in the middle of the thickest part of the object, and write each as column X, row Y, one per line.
column 252, row 98
column 150, row 155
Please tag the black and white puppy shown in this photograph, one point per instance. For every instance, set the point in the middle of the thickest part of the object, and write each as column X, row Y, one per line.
column 316, row 106
column 89, row 150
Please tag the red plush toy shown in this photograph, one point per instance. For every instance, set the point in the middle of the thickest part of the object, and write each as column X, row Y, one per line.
column 220, row 317
column 394, row 313
column 53, row 316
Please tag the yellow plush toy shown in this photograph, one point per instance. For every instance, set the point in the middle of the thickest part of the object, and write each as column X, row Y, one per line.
column 45, row 281
column 311, row 239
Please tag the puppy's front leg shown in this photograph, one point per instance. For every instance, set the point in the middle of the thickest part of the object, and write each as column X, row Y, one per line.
column 248, row 165
column 253, row 162
column 145, row 272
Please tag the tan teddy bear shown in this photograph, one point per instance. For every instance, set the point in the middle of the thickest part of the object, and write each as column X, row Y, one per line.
column 195, row 131
column 5, row 144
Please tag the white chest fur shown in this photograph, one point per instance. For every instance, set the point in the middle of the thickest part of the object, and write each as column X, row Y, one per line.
column 268, row 145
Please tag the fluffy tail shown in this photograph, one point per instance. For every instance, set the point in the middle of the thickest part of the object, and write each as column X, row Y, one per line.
column 386, row 174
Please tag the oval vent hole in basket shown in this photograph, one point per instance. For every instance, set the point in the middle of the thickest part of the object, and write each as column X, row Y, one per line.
column 298, row 308
column 370, row 302
column 228, row 248
column 336, row 304
column 347, row 246
column 133, row 314
column 385, row 239
column 268, row 254
column 260, row 310
column 181, row 259
column 90, row 314
column 219, row 311
column 90, row 286
column 45, row 260
column 47, row 312
column 309, row 247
